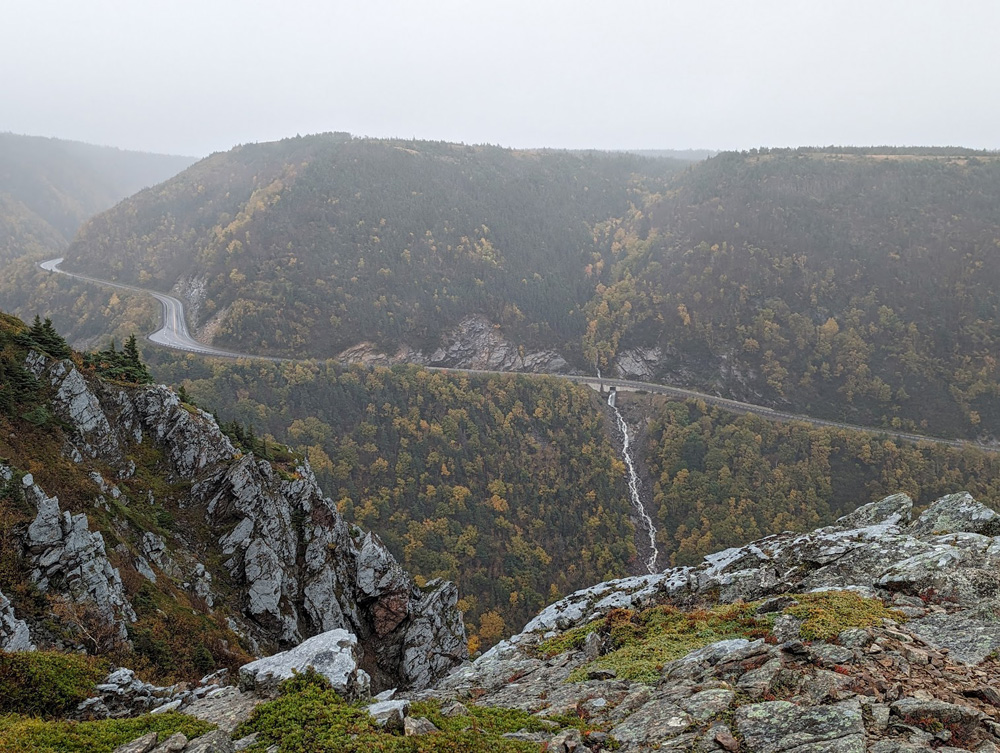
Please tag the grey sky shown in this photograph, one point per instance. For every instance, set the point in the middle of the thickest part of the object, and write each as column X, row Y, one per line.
column 198, row 76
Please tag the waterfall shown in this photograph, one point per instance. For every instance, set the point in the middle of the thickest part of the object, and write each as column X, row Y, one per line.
column 633, row 485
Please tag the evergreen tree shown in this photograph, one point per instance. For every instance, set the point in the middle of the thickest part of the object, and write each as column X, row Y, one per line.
column 125, row 365
column 45, row 337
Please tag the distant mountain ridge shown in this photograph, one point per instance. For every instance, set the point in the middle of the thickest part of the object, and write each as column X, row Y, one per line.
column 48, row 189
column 687, row 155
column 842, row 282
column 325, row 241
column 63, row 183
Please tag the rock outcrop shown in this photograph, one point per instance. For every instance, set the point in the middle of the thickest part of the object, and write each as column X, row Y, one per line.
column 123, row 694
column 14, row 634
column 77, row 403
column 918, row 680
column 290, row 565
column 69, row 559
column 638, row 363
column 331, row 654
column 940, row 557
column 475, row 343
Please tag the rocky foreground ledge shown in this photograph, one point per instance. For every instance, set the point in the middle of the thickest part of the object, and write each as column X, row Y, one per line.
column 876, row 634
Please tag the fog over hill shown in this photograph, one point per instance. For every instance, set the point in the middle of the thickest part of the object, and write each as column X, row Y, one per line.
column 63, row 183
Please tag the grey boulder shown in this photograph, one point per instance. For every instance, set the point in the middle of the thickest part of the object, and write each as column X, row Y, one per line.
column 956, row 512
column 892, row 510
column 780, row 726
column 331, row 654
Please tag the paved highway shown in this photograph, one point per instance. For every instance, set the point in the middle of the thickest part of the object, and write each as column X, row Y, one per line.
column 174, row 334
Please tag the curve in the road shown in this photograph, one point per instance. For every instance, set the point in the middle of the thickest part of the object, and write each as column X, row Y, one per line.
column 174, row 334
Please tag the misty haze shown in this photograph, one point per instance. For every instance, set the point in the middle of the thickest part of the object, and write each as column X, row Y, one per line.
column 565, row 377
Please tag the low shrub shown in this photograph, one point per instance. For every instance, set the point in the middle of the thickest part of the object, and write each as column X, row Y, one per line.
column 46, row 683
column 827, row 613
column 309, row 717
column 642, row 642
column 20, row 734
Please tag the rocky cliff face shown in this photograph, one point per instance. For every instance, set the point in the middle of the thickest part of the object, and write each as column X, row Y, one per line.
column 262, row 539
column 875, row 634
column 475, row 343
column 14, row 634
column 69, row 558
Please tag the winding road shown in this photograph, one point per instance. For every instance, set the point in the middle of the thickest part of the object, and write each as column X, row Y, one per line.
column 174, row 334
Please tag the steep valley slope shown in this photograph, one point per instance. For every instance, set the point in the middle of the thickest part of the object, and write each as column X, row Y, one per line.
column 133, row 528
column 312, row 245
column 848, row 284
column 513, row 486
column 844, row 283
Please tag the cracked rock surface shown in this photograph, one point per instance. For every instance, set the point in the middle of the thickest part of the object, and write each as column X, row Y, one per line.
column 290, row 565
column 919, row 681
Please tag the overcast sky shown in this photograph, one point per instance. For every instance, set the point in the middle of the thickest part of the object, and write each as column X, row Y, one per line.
column 197, row 76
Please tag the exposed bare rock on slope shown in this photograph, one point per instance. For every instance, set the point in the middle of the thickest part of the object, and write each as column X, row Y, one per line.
column 916, row 681
column 70, row 559
column 294, row 566
column 14, row 634
column 475, row 343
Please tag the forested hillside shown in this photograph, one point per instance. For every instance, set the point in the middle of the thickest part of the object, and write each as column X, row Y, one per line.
column 512, row 487
column 852, row 284
column 722, row 479
column 309, row 245
column 507, row 485
column 846, row 284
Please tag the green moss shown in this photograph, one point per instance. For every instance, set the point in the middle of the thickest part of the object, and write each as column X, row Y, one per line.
column 645, row 641
column 309, row 717
column 491, row 720
column 46, row 683
column 571, row 639
column 20, row 734
column 827, row 613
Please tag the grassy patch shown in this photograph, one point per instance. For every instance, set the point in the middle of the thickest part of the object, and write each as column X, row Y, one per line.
column 827, row 613
column 310, row 718
column 645, row 641
column 19, row 734
column 490, row 720
column 46, row 683
column 174, row 639
column 641, row 643
column 570, row 640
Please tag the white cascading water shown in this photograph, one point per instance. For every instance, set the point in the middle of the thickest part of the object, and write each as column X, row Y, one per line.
column 633, row 486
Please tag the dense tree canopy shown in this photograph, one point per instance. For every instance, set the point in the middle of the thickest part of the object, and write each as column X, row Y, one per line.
column 309, row 245
column 722, row 479
column 850, row 285
column 507, row 485
column 846, row 283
